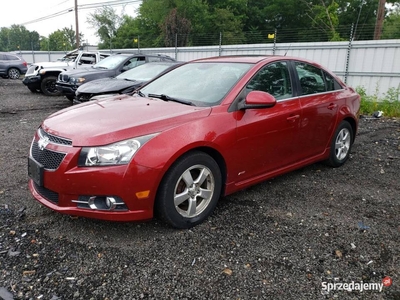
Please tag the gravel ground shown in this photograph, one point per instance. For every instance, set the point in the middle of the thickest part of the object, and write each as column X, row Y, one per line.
column 286, row 238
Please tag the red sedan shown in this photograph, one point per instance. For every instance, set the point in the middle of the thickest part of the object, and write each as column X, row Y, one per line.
column 203, row 130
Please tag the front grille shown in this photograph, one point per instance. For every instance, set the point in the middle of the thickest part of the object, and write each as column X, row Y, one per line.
column 54, row 139
column 46, row 193
column 49, row 159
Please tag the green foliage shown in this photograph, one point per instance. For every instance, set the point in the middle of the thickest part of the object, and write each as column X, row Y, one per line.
column 162, row 23
column 389, row 104
column 391, row 29
column 107, row 23
column 17, row 37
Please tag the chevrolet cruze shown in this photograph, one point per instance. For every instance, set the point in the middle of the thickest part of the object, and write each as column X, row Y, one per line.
column 201, row 131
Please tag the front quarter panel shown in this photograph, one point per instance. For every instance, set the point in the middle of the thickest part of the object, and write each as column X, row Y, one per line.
column 216, row 132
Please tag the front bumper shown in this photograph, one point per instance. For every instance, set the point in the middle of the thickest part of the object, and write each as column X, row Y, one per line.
column 32, row 81
column 63, row 187
column 66, row 89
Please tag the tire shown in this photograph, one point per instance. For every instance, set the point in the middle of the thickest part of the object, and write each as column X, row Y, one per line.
column 195, row 178
column 70, row 98
column 341, row 145
column 13, row 73
column 48, row 86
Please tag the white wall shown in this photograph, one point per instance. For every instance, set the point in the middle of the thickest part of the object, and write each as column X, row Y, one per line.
column 375, row 65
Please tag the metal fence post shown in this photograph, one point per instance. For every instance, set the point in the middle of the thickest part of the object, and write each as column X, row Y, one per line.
column 176, row 46
column 274, row 48
column 220, row 44
column 346, row 73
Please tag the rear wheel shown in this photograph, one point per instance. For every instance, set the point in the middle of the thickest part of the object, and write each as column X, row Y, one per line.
column 48, row 86
column 189, row 191
column 13, row 73
column 341, row 145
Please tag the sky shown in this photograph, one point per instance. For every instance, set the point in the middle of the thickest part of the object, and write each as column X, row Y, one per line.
column 27, row 13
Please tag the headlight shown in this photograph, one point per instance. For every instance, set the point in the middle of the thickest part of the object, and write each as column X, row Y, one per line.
column 77, row 80
column 119, row 153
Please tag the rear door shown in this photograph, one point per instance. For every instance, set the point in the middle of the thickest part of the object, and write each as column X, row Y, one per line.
column 319, row 100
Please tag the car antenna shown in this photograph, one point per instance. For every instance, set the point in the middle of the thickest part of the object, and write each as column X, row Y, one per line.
column 290, row 45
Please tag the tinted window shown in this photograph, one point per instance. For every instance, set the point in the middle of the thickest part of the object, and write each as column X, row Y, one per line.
column 11, row 57
column 274, row 79
column 134, row 62
column 331, row 83
column 311, row 79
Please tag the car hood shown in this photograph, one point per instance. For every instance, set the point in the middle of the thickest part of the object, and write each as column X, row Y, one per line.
column 89, row 72
column 118, row 118
column 54, row 64
column 105, row 85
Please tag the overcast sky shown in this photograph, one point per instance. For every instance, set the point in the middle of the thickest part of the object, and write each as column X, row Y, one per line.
column 23, row 11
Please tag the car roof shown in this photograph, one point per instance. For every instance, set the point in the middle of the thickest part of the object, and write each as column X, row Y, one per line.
column 251, row 58
column 140, row 54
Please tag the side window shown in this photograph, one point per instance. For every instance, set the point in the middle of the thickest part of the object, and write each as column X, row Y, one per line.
column 88, row 59
column 11, row 57
column 134, row 62
column 274, row 79
column 331, row 83
column 311, row 79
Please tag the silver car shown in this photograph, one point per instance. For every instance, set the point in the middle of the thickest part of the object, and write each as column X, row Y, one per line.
column 11, row 65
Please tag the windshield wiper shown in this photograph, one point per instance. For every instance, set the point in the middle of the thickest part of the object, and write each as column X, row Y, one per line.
column 168, row 98
column 99, row 67
column 139, row 93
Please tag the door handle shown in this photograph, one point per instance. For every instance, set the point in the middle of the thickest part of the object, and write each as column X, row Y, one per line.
column 292, row 118
column 332, row 106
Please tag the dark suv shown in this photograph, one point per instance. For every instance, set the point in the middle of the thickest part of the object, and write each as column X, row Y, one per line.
column 11, row 65
column 69, row 81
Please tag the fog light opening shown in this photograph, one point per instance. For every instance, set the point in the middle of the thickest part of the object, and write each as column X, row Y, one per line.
column 111, row 203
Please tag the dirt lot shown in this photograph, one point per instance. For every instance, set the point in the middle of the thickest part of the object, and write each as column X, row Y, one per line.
column 288, row 238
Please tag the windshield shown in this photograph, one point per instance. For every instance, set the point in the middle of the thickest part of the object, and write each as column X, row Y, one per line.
column 202, row 83
column 110, row 62
column 144, row 72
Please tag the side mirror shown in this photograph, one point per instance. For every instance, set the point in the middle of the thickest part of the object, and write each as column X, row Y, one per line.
column 257, row 99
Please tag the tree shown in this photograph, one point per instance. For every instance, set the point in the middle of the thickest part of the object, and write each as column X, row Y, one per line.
column 127, row 35
column 173, row 25
column 107, row 22
column 391, row 26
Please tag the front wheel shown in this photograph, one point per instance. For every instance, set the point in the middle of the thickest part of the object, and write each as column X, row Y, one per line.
column 189, row 191
column 341, row 145
column 13, row 73
column 48, row 86
column 70, row 98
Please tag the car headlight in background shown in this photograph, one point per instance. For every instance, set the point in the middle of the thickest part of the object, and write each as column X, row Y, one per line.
column 119, row 153
column 77, row 80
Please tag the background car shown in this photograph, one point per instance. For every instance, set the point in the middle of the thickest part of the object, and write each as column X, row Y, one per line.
column 124, row 83
column 69, row 81
column 11, row 65
column 205, row 129
column 42, row 76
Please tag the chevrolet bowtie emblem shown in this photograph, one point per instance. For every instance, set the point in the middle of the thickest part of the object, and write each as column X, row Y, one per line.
column 43, row 142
